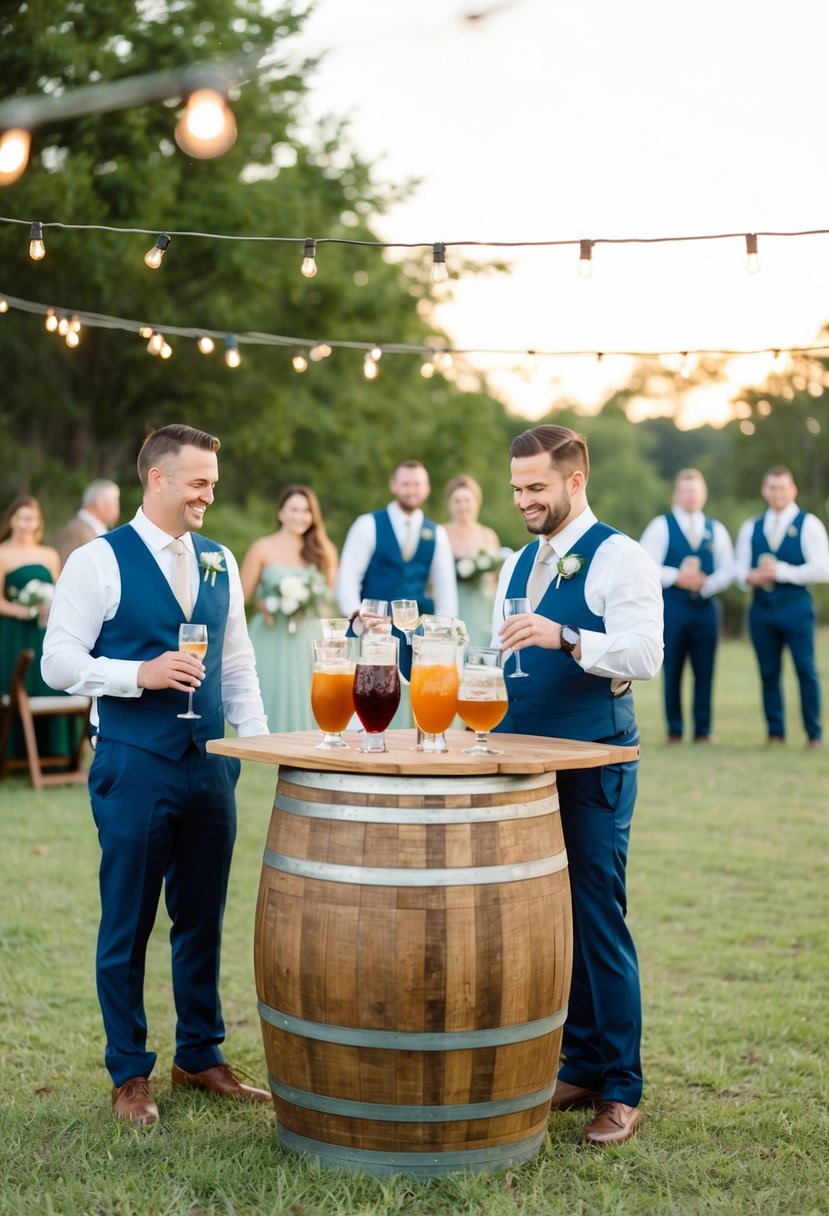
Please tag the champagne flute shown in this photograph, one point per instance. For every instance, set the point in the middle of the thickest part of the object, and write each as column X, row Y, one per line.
column 482, row 697
column 405, row 615
column 192, row 639
column 517, row 607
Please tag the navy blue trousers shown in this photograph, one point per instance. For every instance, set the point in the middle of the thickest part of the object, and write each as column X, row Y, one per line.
column 602, row 1035
column 691, row 633
column 171, row 822
column 771, row 629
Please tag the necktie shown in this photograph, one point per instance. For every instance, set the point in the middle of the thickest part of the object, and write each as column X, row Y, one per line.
column 695, row 533
column 410, row 539
column 540, row 575
column 777, row 532
column 180, row 581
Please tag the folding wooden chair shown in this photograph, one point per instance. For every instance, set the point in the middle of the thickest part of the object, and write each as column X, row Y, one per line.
column 17, row 703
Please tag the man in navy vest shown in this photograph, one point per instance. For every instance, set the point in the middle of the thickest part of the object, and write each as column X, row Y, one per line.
column 779, row 554
column 165, row 810
column 696, row 562
column 396, row 553
column 595, row 625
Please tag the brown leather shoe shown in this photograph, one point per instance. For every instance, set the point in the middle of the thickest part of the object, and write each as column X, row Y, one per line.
column 132, row 1102
column 573, row 1097
column 614, row 1123
column 220, row 1081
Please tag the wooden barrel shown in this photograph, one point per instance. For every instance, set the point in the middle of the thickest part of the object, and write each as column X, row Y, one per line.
column 413, row 951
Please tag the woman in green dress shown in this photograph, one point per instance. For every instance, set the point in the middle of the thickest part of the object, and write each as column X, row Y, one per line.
column 478, row 556
column 28, row 573
column 288, row 578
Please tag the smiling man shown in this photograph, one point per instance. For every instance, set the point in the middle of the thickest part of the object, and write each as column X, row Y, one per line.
column 165, row 810
column 593, row 624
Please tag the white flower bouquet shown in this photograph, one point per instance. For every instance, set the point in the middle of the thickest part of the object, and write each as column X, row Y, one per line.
column 36, row 595
column 474, row 567
column 295, row 596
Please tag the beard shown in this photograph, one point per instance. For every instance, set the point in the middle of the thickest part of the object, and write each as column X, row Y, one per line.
column 557, row 513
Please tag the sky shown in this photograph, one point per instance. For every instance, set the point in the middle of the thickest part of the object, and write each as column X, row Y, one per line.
column 537, row 120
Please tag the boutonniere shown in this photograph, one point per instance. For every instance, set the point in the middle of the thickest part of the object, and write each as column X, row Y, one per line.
column 792, row 531
column 212, row 564
column 427, row 534
column 568, row 566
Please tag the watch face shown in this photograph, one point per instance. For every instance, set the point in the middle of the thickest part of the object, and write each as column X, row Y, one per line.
column 569, row 637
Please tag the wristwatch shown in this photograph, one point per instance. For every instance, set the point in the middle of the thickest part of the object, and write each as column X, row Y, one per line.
column 570, row 638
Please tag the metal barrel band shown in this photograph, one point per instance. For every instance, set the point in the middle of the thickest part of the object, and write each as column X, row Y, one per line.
column 387, row 1113
column 424, row 1165
column 413, row 1040
column 404, row 815
column 382, row 784
column 398, row 876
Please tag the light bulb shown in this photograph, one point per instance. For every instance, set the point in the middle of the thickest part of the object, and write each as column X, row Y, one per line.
column 319, row 351
column 72, row 338
column 376, row 353
column 155, row 343
column 309, row 261
column 752, row 260
column 299, row 363
column 75, row 325
column 37, row 249
column 145, row 331
column 4, row 304
column 63, row 326
column 442, row 360
column 206, row 345
column 232, row 356
column 207, row 127
column 51, row 320
column 153, row 256
column 370, row 368
column 166, row 350
column 585, row 267
column 14, row 154
column 427, row 369
column 439, row 272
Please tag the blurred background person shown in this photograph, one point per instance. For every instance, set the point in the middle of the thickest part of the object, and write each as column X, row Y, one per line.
column 28, row 573
column 695, row 557
column 477, row 553
column 288, row 578
column 99, row 512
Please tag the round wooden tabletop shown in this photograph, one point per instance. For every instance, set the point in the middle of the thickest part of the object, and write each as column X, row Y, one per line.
column 520, row 754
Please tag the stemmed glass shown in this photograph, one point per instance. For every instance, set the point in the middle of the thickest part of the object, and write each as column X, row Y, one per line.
column 376, row 688
column 516, row 608
column 482, row 697
column 192, row 639
column 332, row 685
column 405, row 615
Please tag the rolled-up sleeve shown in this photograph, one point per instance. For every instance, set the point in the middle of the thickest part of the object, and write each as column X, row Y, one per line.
column 623, row 587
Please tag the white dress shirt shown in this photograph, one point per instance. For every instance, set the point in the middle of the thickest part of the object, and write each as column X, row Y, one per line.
column 813, row 541
column 89, row 592
column 358, row 550
column 656, row 539
column 622, row 587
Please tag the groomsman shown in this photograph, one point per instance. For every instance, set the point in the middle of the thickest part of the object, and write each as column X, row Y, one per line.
column 165, row 810
column 696, row 562
column 780, row 554
column 99, row 511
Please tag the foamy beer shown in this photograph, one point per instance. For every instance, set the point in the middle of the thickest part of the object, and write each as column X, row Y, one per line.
column 482, row 696
column 332, row 700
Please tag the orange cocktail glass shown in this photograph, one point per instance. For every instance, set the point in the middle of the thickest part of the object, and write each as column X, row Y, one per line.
column 482, row 697
column 332, row 699
column 434, row 695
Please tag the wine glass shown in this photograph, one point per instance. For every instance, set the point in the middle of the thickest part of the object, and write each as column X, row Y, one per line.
column 517, row 607
column 192, row 639
column 405, row 615
column 434, row 689
column 332, row 685
column 482, row 697
column 376, row 688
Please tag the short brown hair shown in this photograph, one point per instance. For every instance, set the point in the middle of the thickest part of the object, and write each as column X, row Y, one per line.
column 689, row 475
column 168, row 441
column 568, row 450
column 464, row 482
column 777, row 470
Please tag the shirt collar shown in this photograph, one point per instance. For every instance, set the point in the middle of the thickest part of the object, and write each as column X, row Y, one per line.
column 156, row 538
column 685, row 518
column 564, row 540
column 786, row 516
column 399, row 516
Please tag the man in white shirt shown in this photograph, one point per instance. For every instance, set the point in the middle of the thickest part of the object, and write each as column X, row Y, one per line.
column 780, row 554
column 696, row 562
column 165, row 810
column 100, row 511
column 594, row 625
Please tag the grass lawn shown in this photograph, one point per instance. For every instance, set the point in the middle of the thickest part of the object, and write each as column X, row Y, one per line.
column 728, row 897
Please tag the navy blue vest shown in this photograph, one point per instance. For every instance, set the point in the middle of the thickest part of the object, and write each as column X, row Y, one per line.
column 388, row 577
column 144, row 626
column 791, row 551
column 679, row 547
column 559, row 699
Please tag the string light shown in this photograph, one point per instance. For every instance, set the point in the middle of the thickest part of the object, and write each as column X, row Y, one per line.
column 152, row 257
column 376, row 353
column 442, row 360
column 75, row 324
column 73, row 337
column 752, row 260
column 439, row 272
column 309, row 261
column 37, row 248
column 4, row 304
column 155, row 343
column 206, row 344
column 207, row 127
column 298, row 362
column 145, row 331
column 51, row 320
column 427, row 368
column 585, row 266
column 370, row 368
column 166, row 351
column 319, row 351
column 63, row 326
column 232, row 356
column 14, row 154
